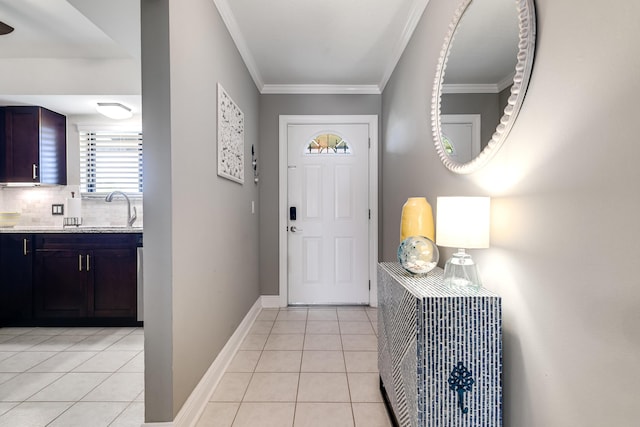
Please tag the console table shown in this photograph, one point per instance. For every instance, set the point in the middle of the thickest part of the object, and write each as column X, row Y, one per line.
column 439, row 350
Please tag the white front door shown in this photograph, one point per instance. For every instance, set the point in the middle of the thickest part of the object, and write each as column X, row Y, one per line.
column 328, row 213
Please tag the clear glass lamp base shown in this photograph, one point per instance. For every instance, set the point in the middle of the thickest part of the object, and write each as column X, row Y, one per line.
column 460, row 272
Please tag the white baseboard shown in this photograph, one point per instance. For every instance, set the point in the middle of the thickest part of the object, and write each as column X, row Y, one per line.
column 195, row 405
column 270, row 301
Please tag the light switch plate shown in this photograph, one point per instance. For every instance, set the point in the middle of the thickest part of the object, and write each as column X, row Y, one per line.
column 57, row 209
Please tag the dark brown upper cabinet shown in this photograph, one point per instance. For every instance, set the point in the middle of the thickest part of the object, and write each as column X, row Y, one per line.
column 33, row 145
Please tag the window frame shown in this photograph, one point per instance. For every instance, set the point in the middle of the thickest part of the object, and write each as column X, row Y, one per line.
column 308, row 152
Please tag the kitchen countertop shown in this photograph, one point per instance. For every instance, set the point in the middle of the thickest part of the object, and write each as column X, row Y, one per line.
column 70, row 229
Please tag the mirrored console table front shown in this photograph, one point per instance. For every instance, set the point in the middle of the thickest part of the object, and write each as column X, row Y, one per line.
column 439, row 351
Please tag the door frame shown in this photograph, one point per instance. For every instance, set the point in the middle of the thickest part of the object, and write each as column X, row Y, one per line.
column 475, row 120
column 285, row 121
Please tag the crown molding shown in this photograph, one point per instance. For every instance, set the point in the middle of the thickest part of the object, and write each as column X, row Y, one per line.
column 470, row 88
column 506, row 82
column 480, row 88
column 417, row 9
column 241, row 44
column 322, row 89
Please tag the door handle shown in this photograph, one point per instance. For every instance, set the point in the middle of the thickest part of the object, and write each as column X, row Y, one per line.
column 24, row 247
column 34, row 171
column 80, row 262
column 294, row 229
column 88, row 262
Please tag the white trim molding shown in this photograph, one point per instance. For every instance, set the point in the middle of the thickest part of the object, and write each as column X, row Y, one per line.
column 230, row 21
column 319, row 89
column 480, row 88
column 417, row 9
column 372, row 121
column 197, row 401
column 470, row 88
column 271, row 301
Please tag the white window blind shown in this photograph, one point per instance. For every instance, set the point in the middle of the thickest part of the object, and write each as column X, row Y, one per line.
column 110, row 160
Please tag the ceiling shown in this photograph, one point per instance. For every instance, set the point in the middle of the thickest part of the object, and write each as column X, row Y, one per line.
column 485, row 48
column 328, row 46
column 67, row 55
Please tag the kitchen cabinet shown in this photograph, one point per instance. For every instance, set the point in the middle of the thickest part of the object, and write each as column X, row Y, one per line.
column 85, row 276
column 33, row 143
column 16, row 262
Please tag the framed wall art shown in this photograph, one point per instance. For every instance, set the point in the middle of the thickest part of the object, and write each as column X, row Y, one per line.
column 230, row 138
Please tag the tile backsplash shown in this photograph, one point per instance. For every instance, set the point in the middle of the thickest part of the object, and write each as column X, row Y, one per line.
column 34, row 204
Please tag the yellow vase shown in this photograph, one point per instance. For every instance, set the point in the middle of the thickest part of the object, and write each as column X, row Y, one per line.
column 417, row 219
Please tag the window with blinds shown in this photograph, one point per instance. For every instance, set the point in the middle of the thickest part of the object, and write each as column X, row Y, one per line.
column 110, row 160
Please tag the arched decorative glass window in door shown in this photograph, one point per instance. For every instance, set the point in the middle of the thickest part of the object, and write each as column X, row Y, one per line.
column 328, row 143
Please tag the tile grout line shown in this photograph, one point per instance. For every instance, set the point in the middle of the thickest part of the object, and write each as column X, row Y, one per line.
column 304, row 338
column 253, row 371
column 120, row 413
column 346, row 373
column 60, row 375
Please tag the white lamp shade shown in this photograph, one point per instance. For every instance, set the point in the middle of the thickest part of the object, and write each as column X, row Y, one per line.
column 463, row 222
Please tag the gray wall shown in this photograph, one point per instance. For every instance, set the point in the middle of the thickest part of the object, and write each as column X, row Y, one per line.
column 201, row 248
column 271, row 107
column 485, row 104
column 564, row 221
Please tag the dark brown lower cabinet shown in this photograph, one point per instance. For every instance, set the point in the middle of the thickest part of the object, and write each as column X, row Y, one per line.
column 85, row 276
column 112, row 292
column 60, row 287
column 16, row 264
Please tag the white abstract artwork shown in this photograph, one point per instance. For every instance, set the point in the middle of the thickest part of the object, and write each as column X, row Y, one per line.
column 230, row 138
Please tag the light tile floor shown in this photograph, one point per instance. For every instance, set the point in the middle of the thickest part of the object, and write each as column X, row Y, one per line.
column 303, row 367
column 296, row 367
column 71, row 377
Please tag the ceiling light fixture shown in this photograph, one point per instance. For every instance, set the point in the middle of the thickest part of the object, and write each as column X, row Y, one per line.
column 5, row 29
column 114, row 110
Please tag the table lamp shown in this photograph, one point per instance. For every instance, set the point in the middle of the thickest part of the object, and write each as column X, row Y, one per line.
column 462, row 223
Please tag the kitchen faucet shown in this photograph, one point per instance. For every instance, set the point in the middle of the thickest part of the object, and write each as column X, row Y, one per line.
column 130, row 219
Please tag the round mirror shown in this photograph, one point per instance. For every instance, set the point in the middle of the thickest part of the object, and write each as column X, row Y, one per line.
column 482, row 76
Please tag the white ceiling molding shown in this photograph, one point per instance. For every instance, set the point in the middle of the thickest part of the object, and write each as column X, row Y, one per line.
column 506, row 82
column 322, row 89
column 479, row 88
column 236, row 35
column 414, row 17
column 470, row 88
